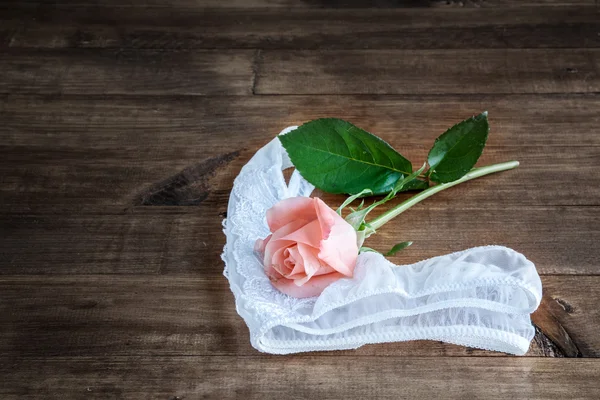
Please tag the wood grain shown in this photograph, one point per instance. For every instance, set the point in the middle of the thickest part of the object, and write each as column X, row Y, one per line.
column 194, row 126
column 100, row 316
column 551, row 336
column 123, row 125
column 428, row 71
column 299, row 377
column 120, row 71
column 137, row 125
column 188, row 26
column 66, row 154
column 68, row 180
column 203, row 72
column 170, row 240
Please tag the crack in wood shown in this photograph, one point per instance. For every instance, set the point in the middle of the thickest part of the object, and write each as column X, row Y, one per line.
column 551, row 336
column 255, row 69
column 546, row 345
column 189, row 187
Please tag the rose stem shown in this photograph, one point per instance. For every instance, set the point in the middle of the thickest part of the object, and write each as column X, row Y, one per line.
column 474, row 173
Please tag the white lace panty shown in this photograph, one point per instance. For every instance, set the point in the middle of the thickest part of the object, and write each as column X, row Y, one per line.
column 481, row 297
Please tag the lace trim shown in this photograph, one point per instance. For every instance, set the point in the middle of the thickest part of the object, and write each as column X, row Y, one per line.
column 254, row 192
column 477, row 337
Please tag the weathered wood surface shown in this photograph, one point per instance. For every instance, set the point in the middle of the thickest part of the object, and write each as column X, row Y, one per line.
column 76, row 152
column 118, row 71
column 188, row 26
column 299, row 377
column 316, row 72
column 429, row 71
column 123, row 125
column 406, row 121
column 168, row 240
column 100, row 316
column 121, row 184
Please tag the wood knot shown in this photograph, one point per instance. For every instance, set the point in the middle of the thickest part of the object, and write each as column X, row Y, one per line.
column 566, row 306
column 551, row 336
column 189, row 187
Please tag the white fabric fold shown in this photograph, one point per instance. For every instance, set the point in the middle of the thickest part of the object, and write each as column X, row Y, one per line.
column 481, row 297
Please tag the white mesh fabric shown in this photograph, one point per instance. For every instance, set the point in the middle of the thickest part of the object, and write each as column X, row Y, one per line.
column 480, row 297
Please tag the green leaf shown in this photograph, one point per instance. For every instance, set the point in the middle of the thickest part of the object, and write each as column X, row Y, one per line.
column 457, row 150
column 365, row 249
column 350, row 199
column 338, row 157
column 402, row 183
column 398, row 247
column 357, row 217
column 362, row 204
column 416, row 184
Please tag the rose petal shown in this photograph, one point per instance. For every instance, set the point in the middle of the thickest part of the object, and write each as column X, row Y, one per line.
column 289, row 210
column 338, row 248
column 312, row 264
column 311, row 246
column 325, row 217
column 277, row 261
column 275, row 244
column 312, row 288
column 298, row 263
column 309, row 234
column 260, row 244
column 272, row 273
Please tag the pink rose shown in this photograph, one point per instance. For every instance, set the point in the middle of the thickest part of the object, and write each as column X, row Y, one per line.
column 310, row 246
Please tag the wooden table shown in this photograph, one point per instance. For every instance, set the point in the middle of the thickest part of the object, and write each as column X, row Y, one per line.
column 123, row 125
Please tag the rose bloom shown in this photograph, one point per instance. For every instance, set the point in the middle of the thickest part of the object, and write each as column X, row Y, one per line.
column 310, row 246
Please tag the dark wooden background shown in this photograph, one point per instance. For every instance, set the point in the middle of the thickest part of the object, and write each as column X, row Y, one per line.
column 123, row 125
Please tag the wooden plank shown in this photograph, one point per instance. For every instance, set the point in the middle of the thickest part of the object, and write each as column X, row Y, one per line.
column 428, row 71
column 155, row 241
column 300, row 377
column 551, row 336
column 75, row 179
column 119, row 316
column 515, row 119
column 564, row 315
column 189, row 239
column 137, row 125
column 70, row 154
column 121, row 71
column 200, row 72
column 188, row 27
